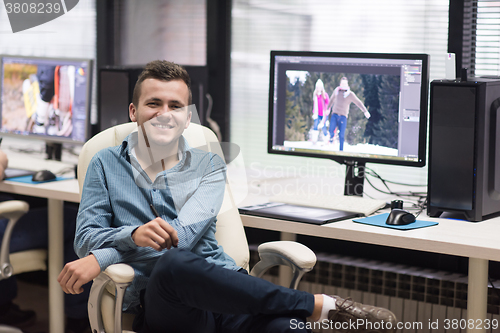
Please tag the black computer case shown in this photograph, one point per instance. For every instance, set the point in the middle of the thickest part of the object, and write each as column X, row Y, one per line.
column 464, row 148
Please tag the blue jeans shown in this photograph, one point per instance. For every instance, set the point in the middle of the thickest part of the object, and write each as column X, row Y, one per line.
column 316, row 123
column 341, row 122
column 31, row 232
column 185, row 293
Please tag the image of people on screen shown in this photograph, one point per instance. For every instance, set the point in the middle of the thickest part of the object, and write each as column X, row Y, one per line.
column 361, row 115
column 341, row 99
column 38, row 99
column 320, row 110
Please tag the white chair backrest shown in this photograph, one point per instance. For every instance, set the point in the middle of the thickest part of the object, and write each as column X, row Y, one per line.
column 230, row 232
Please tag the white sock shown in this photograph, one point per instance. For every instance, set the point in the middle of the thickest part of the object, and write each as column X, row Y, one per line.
column 328, row 304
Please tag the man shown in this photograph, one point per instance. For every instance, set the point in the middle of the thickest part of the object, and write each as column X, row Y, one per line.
column 31, row 232
column 184, row 280
column 341, row 99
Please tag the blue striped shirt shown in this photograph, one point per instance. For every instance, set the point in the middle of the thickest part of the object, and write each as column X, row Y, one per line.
column 115, row 201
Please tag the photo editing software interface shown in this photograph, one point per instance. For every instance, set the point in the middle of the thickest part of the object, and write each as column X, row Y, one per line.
column 349, row 106
column 46, row 98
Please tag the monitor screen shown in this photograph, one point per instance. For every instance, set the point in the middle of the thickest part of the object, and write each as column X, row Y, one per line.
column 46, row 98
column 349, row 106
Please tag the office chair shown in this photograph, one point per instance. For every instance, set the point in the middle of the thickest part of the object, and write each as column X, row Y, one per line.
column 19, row 262
column 105, row 311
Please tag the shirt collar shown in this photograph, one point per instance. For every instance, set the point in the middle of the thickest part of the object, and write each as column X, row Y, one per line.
column 132, row 139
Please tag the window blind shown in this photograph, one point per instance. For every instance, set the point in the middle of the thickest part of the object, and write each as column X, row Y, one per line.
column 486, row 53
column 317, row 25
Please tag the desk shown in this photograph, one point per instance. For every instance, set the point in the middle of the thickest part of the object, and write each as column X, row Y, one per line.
column 477, row 241
column 56, row 193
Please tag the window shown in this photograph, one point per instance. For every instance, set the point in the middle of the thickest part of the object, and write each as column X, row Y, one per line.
column 317, row 25
column 487, row 38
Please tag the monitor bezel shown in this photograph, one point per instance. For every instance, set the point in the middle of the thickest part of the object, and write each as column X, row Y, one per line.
column 88, row 107
column 347, row 159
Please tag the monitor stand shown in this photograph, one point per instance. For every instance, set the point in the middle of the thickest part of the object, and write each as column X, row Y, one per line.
column 354, row 178
column 53, row 151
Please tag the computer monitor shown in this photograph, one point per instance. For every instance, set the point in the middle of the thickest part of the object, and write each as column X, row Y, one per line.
column 352, row 108
column 46, row 98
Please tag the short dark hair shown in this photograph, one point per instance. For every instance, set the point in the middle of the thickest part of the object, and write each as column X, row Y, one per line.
column 164, row 71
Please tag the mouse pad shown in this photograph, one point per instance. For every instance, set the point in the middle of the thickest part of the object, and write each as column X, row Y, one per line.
column 27, row 179
column 379, row 221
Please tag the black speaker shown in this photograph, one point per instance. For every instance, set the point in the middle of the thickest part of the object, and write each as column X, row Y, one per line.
column 464, row 155
column 116, row 86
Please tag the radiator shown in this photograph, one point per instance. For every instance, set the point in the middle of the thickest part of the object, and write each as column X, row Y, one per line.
column 423, row 300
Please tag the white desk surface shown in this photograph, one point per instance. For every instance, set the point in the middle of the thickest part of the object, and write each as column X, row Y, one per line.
column 56, row 192
column 66, row 190
column 455, row 237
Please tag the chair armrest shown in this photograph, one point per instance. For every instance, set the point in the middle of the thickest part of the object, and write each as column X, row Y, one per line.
column 295, row 255
column 11, row 210
column 121, row 275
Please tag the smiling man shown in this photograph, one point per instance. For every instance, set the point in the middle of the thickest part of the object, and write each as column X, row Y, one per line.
column 184, row 281
column 162, row 114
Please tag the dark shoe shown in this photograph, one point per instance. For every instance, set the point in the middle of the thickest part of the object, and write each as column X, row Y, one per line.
column 11, row 315
column 358, row 317
column 77, row 325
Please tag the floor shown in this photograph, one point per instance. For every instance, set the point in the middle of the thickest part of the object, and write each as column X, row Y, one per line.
column 34, row 296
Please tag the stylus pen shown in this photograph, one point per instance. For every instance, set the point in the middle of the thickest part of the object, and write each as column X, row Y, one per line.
column 154, row 210
column 157, row 215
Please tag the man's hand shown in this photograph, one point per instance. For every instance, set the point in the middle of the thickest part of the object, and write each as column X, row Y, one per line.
column 157, row 234
column 77, row 273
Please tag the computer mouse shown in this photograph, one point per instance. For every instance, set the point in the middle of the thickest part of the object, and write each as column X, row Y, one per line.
column 43, row 175
column 400, row 217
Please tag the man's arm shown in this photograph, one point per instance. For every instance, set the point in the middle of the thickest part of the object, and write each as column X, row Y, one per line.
column 200, row 210
column 332, row 98
column 94, row 232
column 360, row 105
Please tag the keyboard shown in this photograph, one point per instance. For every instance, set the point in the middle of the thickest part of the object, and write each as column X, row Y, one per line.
column 346, row 203
column 31, row 163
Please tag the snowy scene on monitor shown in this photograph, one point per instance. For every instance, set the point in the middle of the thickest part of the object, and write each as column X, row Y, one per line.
column 352, row 113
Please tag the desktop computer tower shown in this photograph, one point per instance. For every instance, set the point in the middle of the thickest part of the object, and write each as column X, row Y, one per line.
column 116, row 87
column 464, row 148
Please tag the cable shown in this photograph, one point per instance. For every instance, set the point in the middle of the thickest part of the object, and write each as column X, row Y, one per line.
column 420, row 197
column 65, row 171
column 27, row 150
column 71, row 150
column 375, row 174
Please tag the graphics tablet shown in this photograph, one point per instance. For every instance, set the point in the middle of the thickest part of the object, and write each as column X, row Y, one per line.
column 297, row 213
